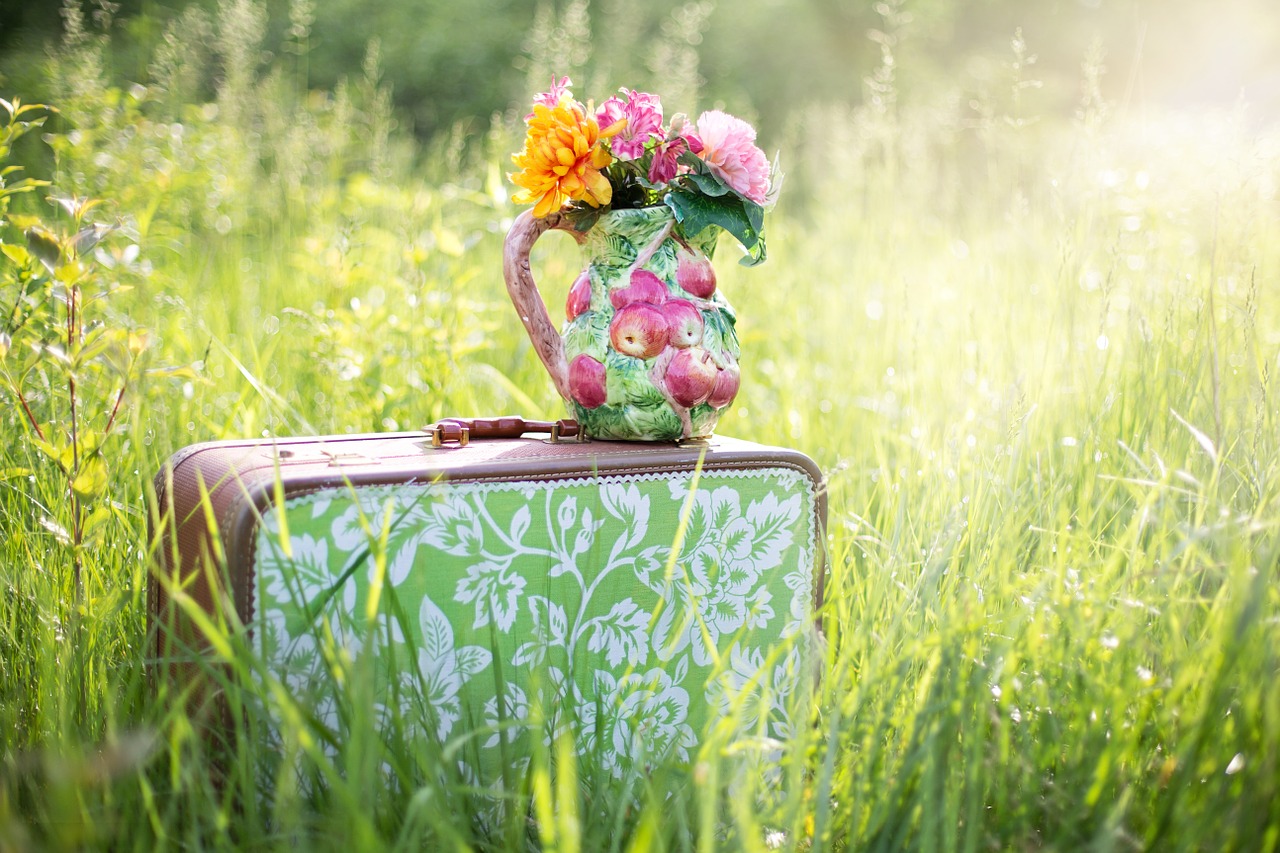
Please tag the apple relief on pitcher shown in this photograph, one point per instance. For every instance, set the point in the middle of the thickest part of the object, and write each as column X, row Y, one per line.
column 648, row 350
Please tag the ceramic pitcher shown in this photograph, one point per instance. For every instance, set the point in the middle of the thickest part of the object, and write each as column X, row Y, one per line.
column 648, row 350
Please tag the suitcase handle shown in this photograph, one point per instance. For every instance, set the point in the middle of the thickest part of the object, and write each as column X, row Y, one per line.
column 462, row 430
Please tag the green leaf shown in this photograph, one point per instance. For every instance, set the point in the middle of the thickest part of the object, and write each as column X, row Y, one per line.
column 695, row 212
column 581, row 218
column 176, row 373
column 702, row 176
column 710, row 184
column 24, row 185
column 741, row 216
column 588, row 333
column 755, row 215
column 652, row 422
column 89, row 236
column 628, row 380
column 615, row 251
column 101, row 340
column 17, row 254
column 70, row 273
column 95, row 524
column 92, row 478
column 45, row 245
column 720, row 337
column 76, row 208
column 59, row 455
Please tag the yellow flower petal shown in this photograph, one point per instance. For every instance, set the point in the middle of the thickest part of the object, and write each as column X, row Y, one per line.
column 548, row 204
column 562, row 158
column 599, row 187
column 614, row 129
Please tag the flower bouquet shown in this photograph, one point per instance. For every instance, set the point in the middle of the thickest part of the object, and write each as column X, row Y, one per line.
column 648, row 350
column 621, row 156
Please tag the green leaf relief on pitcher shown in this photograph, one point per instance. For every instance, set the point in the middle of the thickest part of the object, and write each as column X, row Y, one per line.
column 635, row 382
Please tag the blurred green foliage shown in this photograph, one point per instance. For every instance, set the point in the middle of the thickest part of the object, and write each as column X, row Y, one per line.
column 1025, row 320
column 446, row 63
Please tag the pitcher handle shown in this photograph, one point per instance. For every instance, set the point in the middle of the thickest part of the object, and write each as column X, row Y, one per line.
column 525, row 296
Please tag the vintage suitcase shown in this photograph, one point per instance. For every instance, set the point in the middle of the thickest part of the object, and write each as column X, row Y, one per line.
column 644, row 590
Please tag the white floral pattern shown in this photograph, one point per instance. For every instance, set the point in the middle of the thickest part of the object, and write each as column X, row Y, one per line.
column 653, row 724
column 495, row 589
column 445, row 667
column 568, row 592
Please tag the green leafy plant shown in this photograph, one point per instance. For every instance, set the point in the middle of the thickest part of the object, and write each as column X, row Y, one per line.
column 20, row 119
column 68, row 369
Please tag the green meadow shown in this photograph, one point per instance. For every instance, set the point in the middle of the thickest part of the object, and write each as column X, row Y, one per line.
column 1034, row 350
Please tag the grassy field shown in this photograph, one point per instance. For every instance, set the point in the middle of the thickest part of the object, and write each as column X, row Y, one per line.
column 1036, row 359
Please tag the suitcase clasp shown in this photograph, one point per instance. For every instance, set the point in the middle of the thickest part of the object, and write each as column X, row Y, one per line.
column 449, row 431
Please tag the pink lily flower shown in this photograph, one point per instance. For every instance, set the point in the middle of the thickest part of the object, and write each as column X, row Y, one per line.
column 666, row 155
column 643, row 114
column 552, row 97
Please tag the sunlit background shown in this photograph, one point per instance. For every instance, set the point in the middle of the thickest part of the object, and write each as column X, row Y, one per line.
column 447, row 63
column 1020, row 306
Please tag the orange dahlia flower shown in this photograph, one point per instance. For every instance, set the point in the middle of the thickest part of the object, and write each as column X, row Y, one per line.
column 562, row 158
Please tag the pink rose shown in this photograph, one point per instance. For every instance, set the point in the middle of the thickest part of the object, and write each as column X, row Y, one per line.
column 729, row 149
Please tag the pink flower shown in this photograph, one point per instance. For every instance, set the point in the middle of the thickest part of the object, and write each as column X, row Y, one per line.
column 643, row 113
column 680, row 138
column 559, row 90
column 728, row 148
column 665, row 165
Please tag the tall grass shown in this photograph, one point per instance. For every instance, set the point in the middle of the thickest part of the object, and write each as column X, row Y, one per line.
column 1035, row 358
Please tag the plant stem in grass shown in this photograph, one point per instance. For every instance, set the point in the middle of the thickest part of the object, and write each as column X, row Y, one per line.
column 1213, row 332
column 22, row 398
column 115, row 410
column 77, row 507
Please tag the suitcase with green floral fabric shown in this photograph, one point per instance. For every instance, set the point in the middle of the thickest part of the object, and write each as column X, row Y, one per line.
column 648, row 589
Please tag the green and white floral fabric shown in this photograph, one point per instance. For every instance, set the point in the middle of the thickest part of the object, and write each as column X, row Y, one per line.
column 561, row 596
